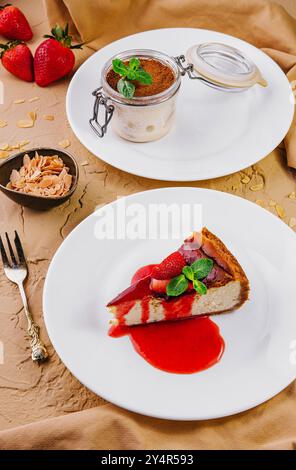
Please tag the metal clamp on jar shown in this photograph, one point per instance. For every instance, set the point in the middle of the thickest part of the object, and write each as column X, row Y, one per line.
column 148, row 118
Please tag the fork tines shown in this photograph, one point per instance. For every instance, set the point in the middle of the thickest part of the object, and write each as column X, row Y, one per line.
column 19, row 251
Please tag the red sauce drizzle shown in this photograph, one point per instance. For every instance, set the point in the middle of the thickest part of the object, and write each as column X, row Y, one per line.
column 178, row 308
column 145, row 309
column 123, row 310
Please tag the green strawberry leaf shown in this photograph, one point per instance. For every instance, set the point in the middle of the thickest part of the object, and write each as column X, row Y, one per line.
column 119, row 67
column 202, row 267
column 188, row 272
column 200, row 287
column 177, row 286
column 127, row 89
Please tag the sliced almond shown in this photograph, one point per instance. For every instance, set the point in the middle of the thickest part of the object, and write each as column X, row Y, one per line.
column 292, row 222
column 20, row 101
column 23, row 143
column 64, row 143
column 4, row 154
column 260, row 202
column 35, row 98
column 48, row 117
column 84, row 163
column 256, row 187
column 292, row 195
column 246, row 179
column 23, row 123
column 280, row 211
column 4, row 146
column 15, row 146
column 3, row 123
column 32, row 115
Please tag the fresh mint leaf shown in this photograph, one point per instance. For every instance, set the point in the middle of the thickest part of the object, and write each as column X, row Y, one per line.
column 202, row 267
column 134, row 63
column 177, row 286
column 131, row 74
column 200, row 287
column 119, row 67
column 188, row 272
column 144, row 77
column 127, row 89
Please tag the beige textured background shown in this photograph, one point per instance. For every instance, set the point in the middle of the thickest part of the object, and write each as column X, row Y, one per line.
column 29, row 392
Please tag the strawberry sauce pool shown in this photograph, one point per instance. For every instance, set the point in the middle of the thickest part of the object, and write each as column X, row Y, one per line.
column 182, row 347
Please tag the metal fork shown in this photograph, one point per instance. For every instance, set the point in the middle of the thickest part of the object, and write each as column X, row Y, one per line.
column 16, row 271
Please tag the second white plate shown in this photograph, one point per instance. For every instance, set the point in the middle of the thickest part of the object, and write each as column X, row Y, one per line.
column 215, row 134
column 260, row 354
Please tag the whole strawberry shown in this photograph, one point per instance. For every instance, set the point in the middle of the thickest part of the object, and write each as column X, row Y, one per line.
column 53, row 57
column 14, row 24
column 170, row 267
column 17, row 58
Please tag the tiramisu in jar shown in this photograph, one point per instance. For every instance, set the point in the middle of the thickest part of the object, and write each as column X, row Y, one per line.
column 139, row 88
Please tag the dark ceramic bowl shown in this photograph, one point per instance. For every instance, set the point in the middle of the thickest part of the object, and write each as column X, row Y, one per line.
column 15, row 162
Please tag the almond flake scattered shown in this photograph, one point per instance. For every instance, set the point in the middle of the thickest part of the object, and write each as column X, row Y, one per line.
column 3, row 123
column 4, row 154
column 24, row 142
column 84, row 163
column 256, row 187
column 23, row 123
column 292, row 195
column 48, row 117
column 4, row 146
column 64, row 143
column 32, row 115
column 246, row 179
column 35, row 98
column 292, row 222
column 280, row 211
column 272, row 203
column 260, row 202
column 20, row 101
column 15, row 146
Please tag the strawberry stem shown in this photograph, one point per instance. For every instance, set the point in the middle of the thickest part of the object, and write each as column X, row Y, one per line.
column 62, row 35
column 4, row 6
column 9, row 45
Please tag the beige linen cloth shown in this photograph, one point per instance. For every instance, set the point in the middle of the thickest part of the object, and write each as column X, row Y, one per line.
column 271, row 425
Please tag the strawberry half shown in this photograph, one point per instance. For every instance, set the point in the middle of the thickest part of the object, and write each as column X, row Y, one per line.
column 54, row 58
column 170, row 267
column 17, row 58
column 14, row 24
column 159, row 286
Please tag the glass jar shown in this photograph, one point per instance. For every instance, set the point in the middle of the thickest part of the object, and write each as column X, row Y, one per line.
column 148, row 118
column 140, row 119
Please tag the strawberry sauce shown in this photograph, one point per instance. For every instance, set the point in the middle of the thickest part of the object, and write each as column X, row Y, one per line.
column 184, row 346
column 180, row 347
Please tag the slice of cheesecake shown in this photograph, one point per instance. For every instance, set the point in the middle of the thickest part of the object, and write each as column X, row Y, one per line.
column 201, row 278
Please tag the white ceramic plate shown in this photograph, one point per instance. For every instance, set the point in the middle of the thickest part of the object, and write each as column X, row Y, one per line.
column 215, row 134
column 260, row 355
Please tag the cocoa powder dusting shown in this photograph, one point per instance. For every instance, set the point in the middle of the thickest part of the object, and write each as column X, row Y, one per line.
column 162, row 78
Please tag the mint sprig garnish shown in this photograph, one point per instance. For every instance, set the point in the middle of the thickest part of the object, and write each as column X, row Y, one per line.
column 202, row 267
column 132, row 71
column 177, row 286
column 197, row 271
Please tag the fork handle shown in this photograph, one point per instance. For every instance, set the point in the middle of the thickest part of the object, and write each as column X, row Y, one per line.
column 39, row 352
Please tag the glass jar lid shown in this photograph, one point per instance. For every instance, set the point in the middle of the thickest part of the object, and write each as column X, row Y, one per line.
column 224, row 65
